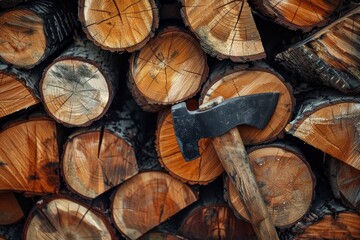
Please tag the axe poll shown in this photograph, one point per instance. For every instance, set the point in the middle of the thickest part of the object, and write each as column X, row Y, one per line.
column 218, row 119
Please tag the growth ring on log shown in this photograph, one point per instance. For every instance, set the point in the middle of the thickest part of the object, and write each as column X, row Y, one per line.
column 119, row 25
column 285, row 181
column 148, row 199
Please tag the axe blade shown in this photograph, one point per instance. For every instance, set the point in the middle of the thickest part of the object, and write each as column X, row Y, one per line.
column 190, row 126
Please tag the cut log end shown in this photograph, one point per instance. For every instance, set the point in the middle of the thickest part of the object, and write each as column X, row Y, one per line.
column 10, row 209
column 118, row 25
column 75, row 92
column 22, row 38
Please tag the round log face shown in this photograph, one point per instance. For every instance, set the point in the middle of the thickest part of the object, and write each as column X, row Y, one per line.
column 94, row 162
column 75, row 92
column 22, row 38
column 285, row 182
column 64, row 219
column 348, row 181
column 10, row 210
column 118, row 25
column 170, row 68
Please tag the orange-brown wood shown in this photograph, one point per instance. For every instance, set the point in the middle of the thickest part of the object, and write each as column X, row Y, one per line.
column 285, row 181
column 344, row 226
column 119, row 25
column 230, row 81
column 160, row 236
column 95, row 161
column 298, row 14
column 199, row 171
column 215, row 222
column 62, row 218
column 226, row 29
column 169, row 69
column 29, row 157
column 148, row 199
column 10, row 209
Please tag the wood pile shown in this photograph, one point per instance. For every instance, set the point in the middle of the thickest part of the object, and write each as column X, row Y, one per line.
column 87, row 142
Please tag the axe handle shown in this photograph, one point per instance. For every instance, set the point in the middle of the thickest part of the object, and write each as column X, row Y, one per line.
column 233, row 156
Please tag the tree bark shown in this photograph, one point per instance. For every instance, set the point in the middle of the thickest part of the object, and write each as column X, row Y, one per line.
column 230, row 80
column 226, row 29
column 169, row 69
column 330, row 56
column 33, row 31
column 79, row 86
column 119, row 25
column 146, row 200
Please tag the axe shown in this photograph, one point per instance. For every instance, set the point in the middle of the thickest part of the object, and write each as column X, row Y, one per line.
column 218, row 120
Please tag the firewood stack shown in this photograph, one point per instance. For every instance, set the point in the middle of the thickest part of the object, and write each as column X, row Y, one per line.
column 87, row 141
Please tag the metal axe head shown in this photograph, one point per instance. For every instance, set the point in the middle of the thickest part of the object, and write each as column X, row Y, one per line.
column 190, row 126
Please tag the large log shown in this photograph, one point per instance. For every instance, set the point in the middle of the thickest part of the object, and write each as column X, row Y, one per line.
column 119, row 25
column 33, row 31
column 226, row 29
column 146, row 200
column 229, row 80
column 169, row 69
column 330, row 56
column 79, row 86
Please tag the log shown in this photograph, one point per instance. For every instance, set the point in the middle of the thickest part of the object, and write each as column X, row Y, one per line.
column 60, row 217
column 10, row 209
column 29, row 157
column 161, row 236
column 146, row 200
column 298, row 15
column 98, row 158
column 329, row 121
column 230, row 80
column 345, row 183
column 285, row 180
column 79, row 86
column 225, row 29
column 169, row 69
column 215, row 221
column 202, row 170
column 18, row 89
column 330, row 56
column 33, row 31
column 119, row 25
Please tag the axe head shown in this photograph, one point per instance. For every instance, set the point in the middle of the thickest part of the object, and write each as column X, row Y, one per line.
column 190, row 126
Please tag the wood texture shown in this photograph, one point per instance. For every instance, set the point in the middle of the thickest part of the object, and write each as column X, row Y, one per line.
column 79, row 86
column 29, row 157
column 10, row 209
column 62, row 218
column 119, row 25
column 330, row 56
column 215, row 222
column 160, row 236
column 169, row 69
column 298, row 14
column 199, row 171
column 226, row 29
column 285, row 181
column 33, row 31
column 229, row 80
column 146, row 200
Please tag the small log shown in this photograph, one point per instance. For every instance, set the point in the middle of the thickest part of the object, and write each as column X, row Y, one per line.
column 330, row 56
column 119, row 25
column 229, row 80
column 215, row 221
column 199, row 171
column 345, row 183
column 18, row 89
column 79, row 86
column 29, row 157
column 226, row 29
column 298, row 15
column 33, row 31
column 329, row 122
column 146, row 200
column 285, row 180
column 62, row 218
column 169, row 69
column 10, row 209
